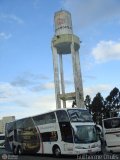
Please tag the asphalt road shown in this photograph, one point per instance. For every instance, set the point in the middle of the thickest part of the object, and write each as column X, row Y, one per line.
column 4, row 155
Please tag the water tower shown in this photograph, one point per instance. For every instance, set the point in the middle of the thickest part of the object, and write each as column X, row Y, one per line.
column 65, row 42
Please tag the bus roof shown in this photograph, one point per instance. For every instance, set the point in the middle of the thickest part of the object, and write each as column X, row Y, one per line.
column 48, row 112
column 65, row 109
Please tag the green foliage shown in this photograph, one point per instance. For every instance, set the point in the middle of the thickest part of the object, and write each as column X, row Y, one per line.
column 103, row 108
column 88, row 103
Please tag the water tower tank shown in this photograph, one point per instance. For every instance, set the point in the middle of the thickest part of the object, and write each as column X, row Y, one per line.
column 63, row 23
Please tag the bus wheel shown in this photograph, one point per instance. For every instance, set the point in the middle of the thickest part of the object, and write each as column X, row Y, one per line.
column 19, row 150
column 56, row 151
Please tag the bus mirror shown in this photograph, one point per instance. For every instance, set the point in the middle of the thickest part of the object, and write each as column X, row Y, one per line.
column 99, row 129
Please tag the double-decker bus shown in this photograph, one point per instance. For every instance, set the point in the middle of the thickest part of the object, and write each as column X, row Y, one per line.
column 111, row 134
column 64, row 131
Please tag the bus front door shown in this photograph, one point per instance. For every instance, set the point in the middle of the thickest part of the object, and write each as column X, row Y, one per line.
column 67, row 137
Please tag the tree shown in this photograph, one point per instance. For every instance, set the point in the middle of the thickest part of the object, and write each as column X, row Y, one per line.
column 88, row 103
column 74, row 103
column 97, row 108
column 115, row 94
column 112, row 102
column 100, row 108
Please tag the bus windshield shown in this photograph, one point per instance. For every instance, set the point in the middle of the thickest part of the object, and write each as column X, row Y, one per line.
column 78, row 115
column 85, row 134
column 112, row 123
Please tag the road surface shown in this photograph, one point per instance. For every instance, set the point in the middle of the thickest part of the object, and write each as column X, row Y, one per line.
column 4, row 155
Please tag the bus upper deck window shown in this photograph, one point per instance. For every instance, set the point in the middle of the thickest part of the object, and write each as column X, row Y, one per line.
column 62, row 116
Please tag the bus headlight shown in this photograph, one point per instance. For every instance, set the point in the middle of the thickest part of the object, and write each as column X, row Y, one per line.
column 79, row 147
column 98, row 145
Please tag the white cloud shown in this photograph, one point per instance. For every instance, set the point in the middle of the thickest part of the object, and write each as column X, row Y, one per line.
column 93, row 90
column 29, row 79
column 11, row 18
column 5, row 36
column 15, row 18
column 22, row 102
column 18, row 99
column 49, row 85
column 106, row 50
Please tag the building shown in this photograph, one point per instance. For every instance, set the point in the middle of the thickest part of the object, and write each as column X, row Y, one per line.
column 5, row 120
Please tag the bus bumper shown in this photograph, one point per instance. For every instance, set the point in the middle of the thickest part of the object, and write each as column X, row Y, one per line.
column 88, row 151
column 113, row 149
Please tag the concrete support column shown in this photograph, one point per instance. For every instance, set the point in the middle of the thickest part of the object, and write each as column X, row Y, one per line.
column 76, row 80
column 80, row 85
column 56, row 76
column 62, row 79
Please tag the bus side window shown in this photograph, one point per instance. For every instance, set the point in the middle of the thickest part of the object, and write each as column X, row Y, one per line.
column 11, row 138
column 115, row 123
column 54, row 136
column 112, row 123
column 66, row 132
column 50, row 118
column 45, row 119
column 15, row 134
column 62, row 116
column 49, row 136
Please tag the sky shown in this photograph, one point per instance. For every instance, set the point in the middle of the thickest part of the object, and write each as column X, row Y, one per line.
column 26, row 64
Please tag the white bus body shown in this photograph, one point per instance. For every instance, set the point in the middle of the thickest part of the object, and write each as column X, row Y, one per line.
column 2, row 140
column 111, row 134
column 63, row 131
